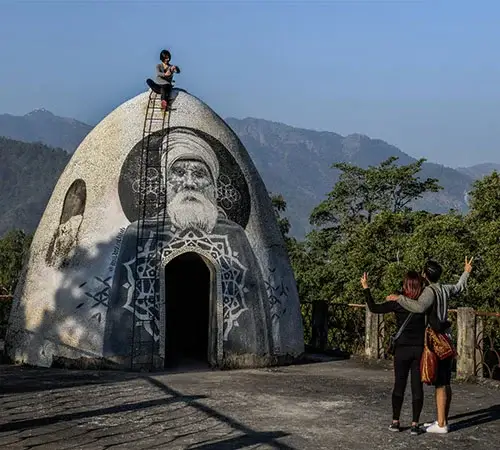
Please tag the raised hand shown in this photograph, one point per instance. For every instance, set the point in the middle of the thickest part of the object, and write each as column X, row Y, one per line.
column 364, row 281
column 468, row 264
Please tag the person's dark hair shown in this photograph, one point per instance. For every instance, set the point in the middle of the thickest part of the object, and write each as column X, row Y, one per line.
column 165, row 54
column 412, row 285
column 432, row 271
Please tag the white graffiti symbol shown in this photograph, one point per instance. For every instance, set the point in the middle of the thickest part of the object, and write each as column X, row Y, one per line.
column 146, row 302
column 227, row 194
column 233, row 274
column 151, row 187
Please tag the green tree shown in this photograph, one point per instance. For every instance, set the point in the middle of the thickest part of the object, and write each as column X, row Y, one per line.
column 13, row 249
column 366, row 224
column 360, row 193
column 446, row 238
column 279, row 205
column 484, row 223
column 377, row 232
column 485, row 199
column 379, row 248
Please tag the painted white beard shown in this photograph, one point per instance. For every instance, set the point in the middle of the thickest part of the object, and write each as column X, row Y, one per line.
column 185, row 213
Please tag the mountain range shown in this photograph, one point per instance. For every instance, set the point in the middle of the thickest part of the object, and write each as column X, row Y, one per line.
column 42, row 126
column 292, row 161
column 297, row 163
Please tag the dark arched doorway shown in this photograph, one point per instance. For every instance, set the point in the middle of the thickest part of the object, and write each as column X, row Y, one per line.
column 187, row 309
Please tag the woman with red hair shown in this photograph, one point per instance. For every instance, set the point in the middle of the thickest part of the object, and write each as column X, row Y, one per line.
column 408, row 348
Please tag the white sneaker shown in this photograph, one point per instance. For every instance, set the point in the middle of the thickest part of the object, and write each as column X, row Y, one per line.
column 428, row 424
column 435, row 428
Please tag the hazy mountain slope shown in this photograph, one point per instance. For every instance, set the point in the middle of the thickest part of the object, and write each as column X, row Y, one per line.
column 297, row 163
column 479, row 170
column 28, row 174
column 43, row 126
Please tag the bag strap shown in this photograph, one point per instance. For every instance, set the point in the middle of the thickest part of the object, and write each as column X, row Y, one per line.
column 435, row 306
column 401, row 329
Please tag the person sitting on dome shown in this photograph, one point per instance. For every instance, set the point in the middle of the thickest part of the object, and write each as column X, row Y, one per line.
column 164, row 76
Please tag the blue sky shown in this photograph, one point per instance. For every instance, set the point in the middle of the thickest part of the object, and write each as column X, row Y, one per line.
column 422, row 75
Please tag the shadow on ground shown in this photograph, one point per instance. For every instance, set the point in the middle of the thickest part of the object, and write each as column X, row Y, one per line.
column 475, row 418
column 109, row 408
column 249, row 437
column 23, row 379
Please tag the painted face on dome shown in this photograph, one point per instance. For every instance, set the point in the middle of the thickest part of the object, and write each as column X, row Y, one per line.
column 189, row 175
column 191, row 195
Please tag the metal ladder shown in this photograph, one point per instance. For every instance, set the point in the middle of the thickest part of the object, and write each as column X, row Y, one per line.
column 147, row 267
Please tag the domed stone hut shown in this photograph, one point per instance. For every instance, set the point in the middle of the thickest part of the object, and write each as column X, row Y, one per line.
column 159, row 244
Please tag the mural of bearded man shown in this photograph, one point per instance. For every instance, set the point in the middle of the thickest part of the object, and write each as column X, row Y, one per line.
column 191, row 169
column 190, row 221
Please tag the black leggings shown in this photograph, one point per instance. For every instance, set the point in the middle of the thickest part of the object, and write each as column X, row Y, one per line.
column 165, row 91
column 407, row 358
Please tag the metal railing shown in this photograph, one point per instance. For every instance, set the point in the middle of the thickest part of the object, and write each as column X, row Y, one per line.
column 346, row 327
column 340, row 326
column 385, row 329
column 334, row 326
column 487, row 347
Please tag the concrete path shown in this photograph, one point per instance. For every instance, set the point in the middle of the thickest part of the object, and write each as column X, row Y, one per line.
column 329, row 405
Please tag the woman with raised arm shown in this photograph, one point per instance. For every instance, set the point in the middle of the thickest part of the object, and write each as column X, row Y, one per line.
column 408, row 348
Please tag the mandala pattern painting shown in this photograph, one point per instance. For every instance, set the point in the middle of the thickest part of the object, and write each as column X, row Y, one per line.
column 146, row 287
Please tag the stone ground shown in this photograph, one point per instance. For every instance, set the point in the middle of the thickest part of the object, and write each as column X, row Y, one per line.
column 328, row 405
